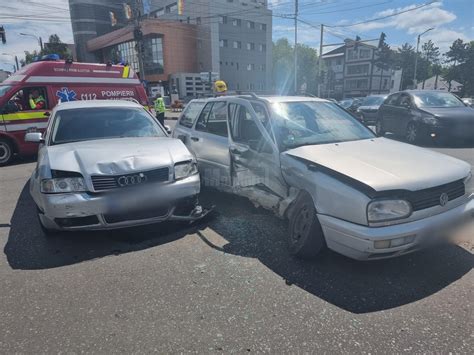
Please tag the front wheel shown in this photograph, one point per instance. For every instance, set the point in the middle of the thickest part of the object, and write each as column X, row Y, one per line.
column 6, row 152
column 306, row 238
column 412, row 134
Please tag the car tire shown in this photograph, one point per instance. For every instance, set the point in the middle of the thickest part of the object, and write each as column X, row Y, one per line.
column 412, row 134
column 379, row 129
column 6, row 152
column 305, row 238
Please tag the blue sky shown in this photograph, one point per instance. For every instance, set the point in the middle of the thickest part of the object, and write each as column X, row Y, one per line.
column 452, row 19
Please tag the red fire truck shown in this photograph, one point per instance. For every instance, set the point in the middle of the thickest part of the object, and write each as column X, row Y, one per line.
column 56, row 81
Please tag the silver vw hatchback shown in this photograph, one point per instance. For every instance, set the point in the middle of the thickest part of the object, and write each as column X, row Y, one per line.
column 338, row 184
column 110, row 164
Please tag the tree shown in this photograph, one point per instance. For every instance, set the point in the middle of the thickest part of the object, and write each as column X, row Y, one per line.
column 460, row 60
column 54, row 46
column 283, row 67
column 384, row 59
column 429, row 61
column 404, row 58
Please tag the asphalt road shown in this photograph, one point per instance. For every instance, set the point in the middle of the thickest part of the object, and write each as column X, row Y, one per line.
column 224, row 285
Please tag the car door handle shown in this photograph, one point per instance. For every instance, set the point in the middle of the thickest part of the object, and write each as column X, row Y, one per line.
column 196, row 139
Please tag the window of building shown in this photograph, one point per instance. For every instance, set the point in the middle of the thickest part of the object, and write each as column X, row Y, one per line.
column 198, row 20
column 223, row 19
column 250, row 46
column 357, row 84
column 338, row 61
column 250, row 24
column 249, row 67
column 262, row 67
column 237, row 44
column 262, row 47
column 263, row 26
column 237, row 66
column 199, row 43
column 358, row 69
column 223, row 43
column 364, row 53
column 237, row 22
column 351, row 54
column 171, row 8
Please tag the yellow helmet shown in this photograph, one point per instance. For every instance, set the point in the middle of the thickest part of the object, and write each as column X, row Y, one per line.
column 220, row 86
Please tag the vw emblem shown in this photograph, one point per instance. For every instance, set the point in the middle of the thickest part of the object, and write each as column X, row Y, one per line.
column 443, row 199
column 129, row 180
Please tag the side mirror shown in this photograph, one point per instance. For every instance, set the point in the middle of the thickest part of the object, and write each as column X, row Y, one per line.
column 34, row 137
column 168, row 129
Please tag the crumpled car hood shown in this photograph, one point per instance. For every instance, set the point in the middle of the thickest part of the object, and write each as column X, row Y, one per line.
column 116, row 156
column 384, row 164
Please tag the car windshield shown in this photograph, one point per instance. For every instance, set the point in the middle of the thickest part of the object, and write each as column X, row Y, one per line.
column 101, row 123
column 373, row 101
column 4, row 89
column 310, row 122
column 437, row 99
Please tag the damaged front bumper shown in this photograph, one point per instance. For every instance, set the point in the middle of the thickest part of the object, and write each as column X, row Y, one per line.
column 359, row 242
column 152, row 203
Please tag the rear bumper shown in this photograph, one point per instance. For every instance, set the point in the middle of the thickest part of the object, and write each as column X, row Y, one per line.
column 154, row 203
column 357, row 241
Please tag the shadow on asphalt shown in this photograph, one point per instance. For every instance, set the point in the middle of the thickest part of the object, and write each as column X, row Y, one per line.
column 358, row 287
column 28, row 249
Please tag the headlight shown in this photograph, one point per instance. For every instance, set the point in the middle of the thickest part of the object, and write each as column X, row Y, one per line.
column 63, row 185
column 430, row 120
column 185, row 169
column 387, row 210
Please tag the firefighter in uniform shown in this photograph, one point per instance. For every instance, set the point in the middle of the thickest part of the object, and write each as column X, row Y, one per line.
column 37, row 101
column 160, row 109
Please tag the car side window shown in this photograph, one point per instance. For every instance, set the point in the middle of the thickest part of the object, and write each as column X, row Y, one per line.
column 213, row 119
column 190, row 114
column 29, row 99
column 405, row 101
column 392, row 99
column 243, row 127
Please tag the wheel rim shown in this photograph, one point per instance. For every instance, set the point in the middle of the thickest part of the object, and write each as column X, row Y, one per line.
column 4, row 152
column 302, row 224
column 411, row 133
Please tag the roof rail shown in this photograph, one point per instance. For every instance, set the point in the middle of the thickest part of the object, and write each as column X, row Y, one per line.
column 247, row 93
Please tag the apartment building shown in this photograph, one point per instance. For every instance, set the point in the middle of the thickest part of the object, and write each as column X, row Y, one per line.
column 233, row 38
column 352, row 71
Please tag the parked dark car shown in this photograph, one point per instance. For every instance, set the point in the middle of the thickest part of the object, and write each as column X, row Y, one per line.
column 350, row 105
column 368, row 110
column 418, row 114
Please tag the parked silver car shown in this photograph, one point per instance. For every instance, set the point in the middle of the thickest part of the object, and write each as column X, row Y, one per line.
column 338, row 184
column 109, row 164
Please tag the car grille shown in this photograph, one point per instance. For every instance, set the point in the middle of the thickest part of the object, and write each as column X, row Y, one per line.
column 108, row 182
column 156, row 212
column 431, row 197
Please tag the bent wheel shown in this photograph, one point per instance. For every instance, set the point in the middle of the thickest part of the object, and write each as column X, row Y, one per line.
column 306, row 238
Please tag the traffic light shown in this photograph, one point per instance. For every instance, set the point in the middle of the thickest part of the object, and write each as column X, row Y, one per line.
column 3, row 35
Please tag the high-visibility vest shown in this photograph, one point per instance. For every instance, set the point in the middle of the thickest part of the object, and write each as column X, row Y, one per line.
column 34, row 103
column 160, row 105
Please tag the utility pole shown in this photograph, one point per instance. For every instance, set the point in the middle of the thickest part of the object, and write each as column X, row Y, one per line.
column 320, row 63
column 416, row 56
column 296, row 46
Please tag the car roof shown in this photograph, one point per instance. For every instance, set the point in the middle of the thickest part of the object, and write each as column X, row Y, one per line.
column 269, row 99
column 95, row 103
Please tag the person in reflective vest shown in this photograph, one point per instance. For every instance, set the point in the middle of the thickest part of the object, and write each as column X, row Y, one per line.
column 160, row 109
column 37, row 102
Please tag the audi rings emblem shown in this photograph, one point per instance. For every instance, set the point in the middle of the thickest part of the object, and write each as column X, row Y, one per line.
column 443, row 199
column 129, row 180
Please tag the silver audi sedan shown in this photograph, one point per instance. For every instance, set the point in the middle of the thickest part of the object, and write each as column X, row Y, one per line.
column 110, row 164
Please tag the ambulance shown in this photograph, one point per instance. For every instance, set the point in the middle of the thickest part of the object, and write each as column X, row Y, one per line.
column 56, row 81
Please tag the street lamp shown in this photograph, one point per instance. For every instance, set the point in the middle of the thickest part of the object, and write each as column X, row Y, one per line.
column 40, row 41
column 416, row 55
column 16, row 59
